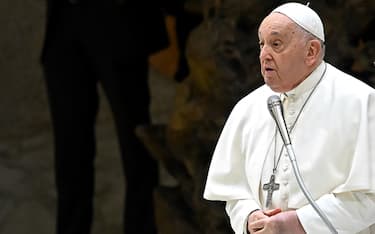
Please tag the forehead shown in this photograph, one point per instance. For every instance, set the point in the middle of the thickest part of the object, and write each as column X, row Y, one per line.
column 276, row 24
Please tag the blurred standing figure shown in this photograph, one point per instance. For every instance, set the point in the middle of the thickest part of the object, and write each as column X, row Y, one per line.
column 106, row 42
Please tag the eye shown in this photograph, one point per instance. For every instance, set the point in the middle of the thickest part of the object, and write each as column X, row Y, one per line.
column 276, row 44
column 261, row 44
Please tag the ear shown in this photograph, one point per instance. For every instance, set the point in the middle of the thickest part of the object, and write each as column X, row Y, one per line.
column 313, row 52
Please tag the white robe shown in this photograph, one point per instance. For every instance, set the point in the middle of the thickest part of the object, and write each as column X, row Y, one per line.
column 334, row 142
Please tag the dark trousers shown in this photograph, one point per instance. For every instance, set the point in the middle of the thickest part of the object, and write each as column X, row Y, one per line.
column 78, row 59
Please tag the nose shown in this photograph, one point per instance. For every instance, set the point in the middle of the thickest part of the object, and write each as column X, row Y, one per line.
column 264, row 53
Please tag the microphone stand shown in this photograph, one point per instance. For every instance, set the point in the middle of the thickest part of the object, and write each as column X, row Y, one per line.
column 276, row 110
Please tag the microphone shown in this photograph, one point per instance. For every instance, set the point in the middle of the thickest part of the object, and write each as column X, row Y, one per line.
column 277, row 112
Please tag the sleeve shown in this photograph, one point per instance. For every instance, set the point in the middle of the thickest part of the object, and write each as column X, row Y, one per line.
column 350, row 208
column 349, row 213
column 361, row 128
column 238, row 211
column 227, row 180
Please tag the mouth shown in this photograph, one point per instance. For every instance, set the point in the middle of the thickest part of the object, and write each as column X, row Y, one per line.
column 268, row 69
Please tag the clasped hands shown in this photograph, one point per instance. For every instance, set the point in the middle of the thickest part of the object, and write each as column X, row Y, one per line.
column 274, row 222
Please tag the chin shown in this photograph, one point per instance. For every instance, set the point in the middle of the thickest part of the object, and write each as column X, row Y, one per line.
column 269, row 82
column 274, row 88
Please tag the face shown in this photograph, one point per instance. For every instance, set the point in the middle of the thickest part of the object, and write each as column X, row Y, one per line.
column 283, row 51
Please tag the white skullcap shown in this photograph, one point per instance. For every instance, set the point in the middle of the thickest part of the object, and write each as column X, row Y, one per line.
column 304, row 16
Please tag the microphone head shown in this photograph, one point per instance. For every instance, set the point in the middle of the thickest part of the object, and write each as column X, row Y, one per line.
column 276, row 110
column 272, row 102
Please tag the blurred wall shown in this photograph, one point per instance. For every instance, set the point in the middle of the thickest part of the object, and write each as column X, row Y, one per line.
column 22, row 94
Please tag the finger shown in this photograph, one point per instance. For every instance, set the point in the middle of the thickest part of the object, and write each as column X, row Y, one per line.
column 270, row 213
column 255, row 226
column 256, row 216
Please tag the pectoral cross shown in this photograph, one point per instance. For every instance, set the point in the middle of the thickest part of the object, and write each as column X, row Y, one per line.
column 270, row 187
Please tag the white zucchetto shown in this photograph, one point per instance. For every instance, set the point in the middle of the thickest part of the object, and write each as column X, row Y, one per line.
column 304, row 16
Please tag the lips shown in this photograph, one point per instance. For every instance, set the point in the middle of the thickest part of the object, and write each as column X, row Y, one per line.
column 268, row 71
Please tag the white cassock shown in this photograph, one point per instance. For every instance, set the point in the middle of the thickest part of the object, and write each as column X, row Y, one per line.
column 334, row 143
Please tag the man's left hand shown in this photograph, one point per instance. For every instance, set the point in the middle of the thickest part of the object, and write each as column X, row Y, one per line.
column 281, row 223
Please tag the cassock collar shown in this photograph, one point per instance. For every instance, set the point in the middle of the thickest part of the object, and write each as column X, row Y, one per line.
column 308, row 84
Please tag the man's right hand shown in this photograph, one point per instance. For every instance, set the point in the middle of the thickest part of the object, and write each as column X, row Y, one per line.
column 253, row 226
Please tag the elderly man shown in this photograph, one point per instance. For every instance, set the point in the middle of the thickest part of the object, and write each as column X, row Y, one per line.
column 330, row 117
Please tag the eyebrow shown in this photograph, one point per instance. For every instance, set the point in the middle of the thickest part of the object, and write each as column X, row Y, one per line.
column 275, row 33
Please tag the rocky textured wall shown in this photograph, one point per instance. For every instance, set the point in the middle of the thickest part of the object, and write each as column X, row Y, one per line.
column 222, row 55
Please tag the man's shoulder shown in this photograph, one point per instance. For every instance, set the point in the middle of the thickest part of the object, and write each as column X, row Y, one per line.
column 254, row 100
column 345, row 82
column 260, row 93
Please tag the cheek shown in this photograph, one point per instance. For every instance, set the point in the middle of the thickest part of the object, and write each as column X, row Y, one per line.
column 284, row 64
column 292, row 61
column 287, row 68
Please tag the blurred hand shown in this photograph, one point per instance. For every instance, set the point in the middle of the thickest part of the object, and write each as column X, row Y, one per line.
column 274, row 222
